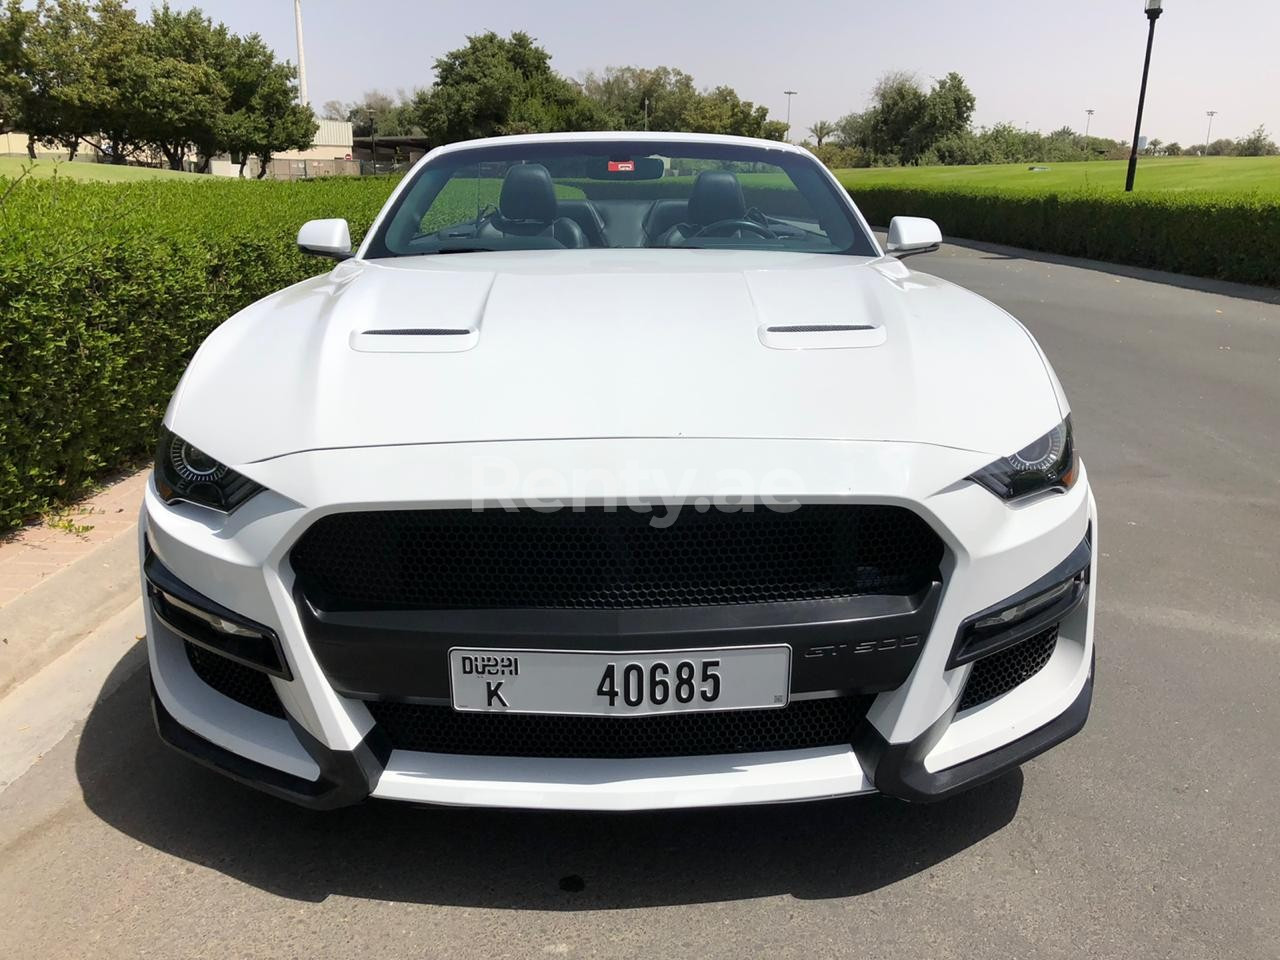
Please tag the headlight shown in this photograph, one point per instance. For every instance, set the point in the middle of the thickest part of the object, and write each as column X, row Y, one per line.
column 1047, row 464
column 186, row 473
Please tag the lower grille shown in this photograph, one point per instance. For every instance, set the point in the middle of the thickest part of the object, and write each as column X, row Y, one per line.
column 1001, row 672
column 440, row 729
column 234, row 680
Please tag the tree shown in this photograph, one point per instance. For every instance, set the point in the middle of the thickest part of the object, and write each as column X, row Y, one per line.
column 185, row 97
column 1154, row 146
column 821, row 130
column 948, row 108
column 499, row 85
column 369, row 114
column 904, row 124
column 114, row 104
column 851, row 130
column 15, row 68
column 334, row 110
column 59, row 95
column 891, row 125
column 662, row 98
column 637, row 98
column 722, row 111
column 263, row 115
column 1257, row 144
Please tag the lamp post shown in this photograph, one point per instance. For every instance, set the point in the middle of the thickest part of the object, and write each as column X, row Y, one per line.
column 789, row 94
column 1153, row 14
column 1210, row 114
column 1087, row 120
column 373, row 136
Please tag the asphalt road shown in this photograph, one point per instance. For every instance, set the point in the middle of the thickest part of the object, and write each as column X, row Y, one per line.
column 1155, row 833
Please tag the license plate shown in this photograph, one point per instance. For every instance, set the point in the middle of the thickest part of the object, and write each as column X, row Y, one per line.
column 605, row 684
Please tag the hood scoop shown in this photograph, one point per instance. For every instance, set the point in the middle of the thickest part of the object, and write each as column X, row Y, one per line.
column 415, row 340
column 821, row 336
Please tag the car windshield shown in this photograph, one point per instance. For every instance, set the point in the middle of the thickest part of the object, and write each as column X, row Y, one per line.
column 619, row 194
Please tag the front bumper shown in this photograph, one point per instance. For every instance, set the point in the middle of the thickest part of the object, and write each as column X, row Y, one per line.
column 326, row 750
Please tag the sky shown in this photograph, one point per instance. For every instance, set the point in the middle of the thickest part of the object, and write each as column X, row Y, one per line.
column 1033, row 62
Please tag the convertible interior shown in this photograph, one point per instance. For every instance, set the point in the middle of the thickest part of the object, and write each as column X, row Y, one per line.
column 530, row 214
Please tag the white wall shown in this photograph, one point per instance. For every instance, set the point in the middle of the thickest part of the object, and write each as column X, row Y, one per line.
column 17, row 143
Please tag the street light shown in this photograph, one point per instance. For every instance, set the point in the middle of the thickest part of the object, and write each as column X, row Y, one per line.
column 1153, row 14
column 789, row 94
column 1210, row 114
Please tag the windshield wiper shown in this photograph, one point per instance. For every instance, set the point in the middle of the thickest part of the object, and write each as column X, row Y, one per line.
column 461, row 250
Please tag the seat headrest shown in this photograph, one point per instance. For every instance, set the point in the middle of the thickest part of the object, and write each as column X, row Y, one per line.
column 717, row 195
column 528, row 194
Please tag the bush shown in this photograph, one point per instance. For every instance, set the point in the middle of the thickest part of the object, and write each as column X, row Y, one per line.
column 839, row 157
column 105, row 292
column 1224, row 236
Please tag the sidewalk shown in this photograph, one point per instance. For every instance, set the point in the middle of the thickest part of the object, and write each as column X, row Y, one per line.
column 29, row 555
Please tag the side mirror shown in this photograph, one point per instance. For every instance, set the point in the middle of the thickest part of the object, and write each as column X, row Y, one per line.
column 326, row 238
column 911, row 235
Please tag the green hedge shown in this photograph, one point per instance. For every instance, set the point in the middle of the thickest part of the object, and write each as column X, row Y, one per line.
column 1225, row 236
column 105, row 292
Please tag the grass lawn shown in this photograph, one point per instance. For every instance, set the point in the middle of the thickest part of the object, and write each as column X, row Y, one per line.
column 11, row 167
column 1228, row 174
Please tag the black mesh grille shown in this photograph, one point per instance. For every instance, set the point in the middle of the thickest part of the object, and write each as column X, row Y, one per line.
column 439, row 729
column 596, row 558
column 242, row 684
column 1001, row 672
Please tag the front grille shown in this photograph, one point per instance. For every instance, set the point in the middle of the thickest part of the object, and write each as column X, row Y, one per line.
column 611, row 559
column 242, row 684
column 1001, row 672
column 440, row 729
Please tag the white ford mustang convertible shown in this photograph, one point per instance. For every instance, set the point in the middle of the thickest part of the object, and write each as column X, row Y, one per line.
column 618, row 471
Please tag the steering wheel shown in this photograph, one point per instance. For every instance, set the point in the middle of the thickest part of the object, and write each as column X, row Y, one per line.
column 722, row 228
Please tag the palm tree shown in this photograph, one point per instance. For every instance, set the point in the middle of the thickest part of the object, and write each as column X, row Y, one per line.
column 821, row 130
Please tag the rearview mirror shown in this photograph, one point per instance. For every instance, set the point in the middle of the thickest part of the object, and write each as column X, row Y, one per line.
column 911, row 235
column 326, row 238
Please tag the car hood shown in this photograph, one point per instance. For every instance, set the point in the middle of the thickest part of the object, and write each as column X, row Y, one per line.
column 615, row 343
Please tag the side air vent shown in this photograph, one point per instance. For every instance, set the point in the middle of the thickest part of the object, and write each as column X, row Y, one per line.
column 999, row 673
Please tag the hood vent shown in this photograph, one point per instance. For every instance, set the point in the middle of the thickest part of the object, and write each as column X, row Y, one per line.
column 415, row 340
column 822, row 328
column 821, row 336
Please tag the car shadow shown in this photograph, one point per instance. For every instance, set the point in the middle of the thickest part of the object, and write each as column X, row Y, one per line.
column 509, row 859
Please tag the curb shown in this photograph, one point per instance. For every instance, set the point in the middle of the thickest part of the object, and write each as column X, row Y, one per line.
column 49, row 619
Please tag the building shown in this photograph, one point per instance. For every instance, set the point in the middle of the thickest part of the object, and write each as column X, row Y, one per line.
column 332, row 154
column 15, row 143
column 333, row 142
